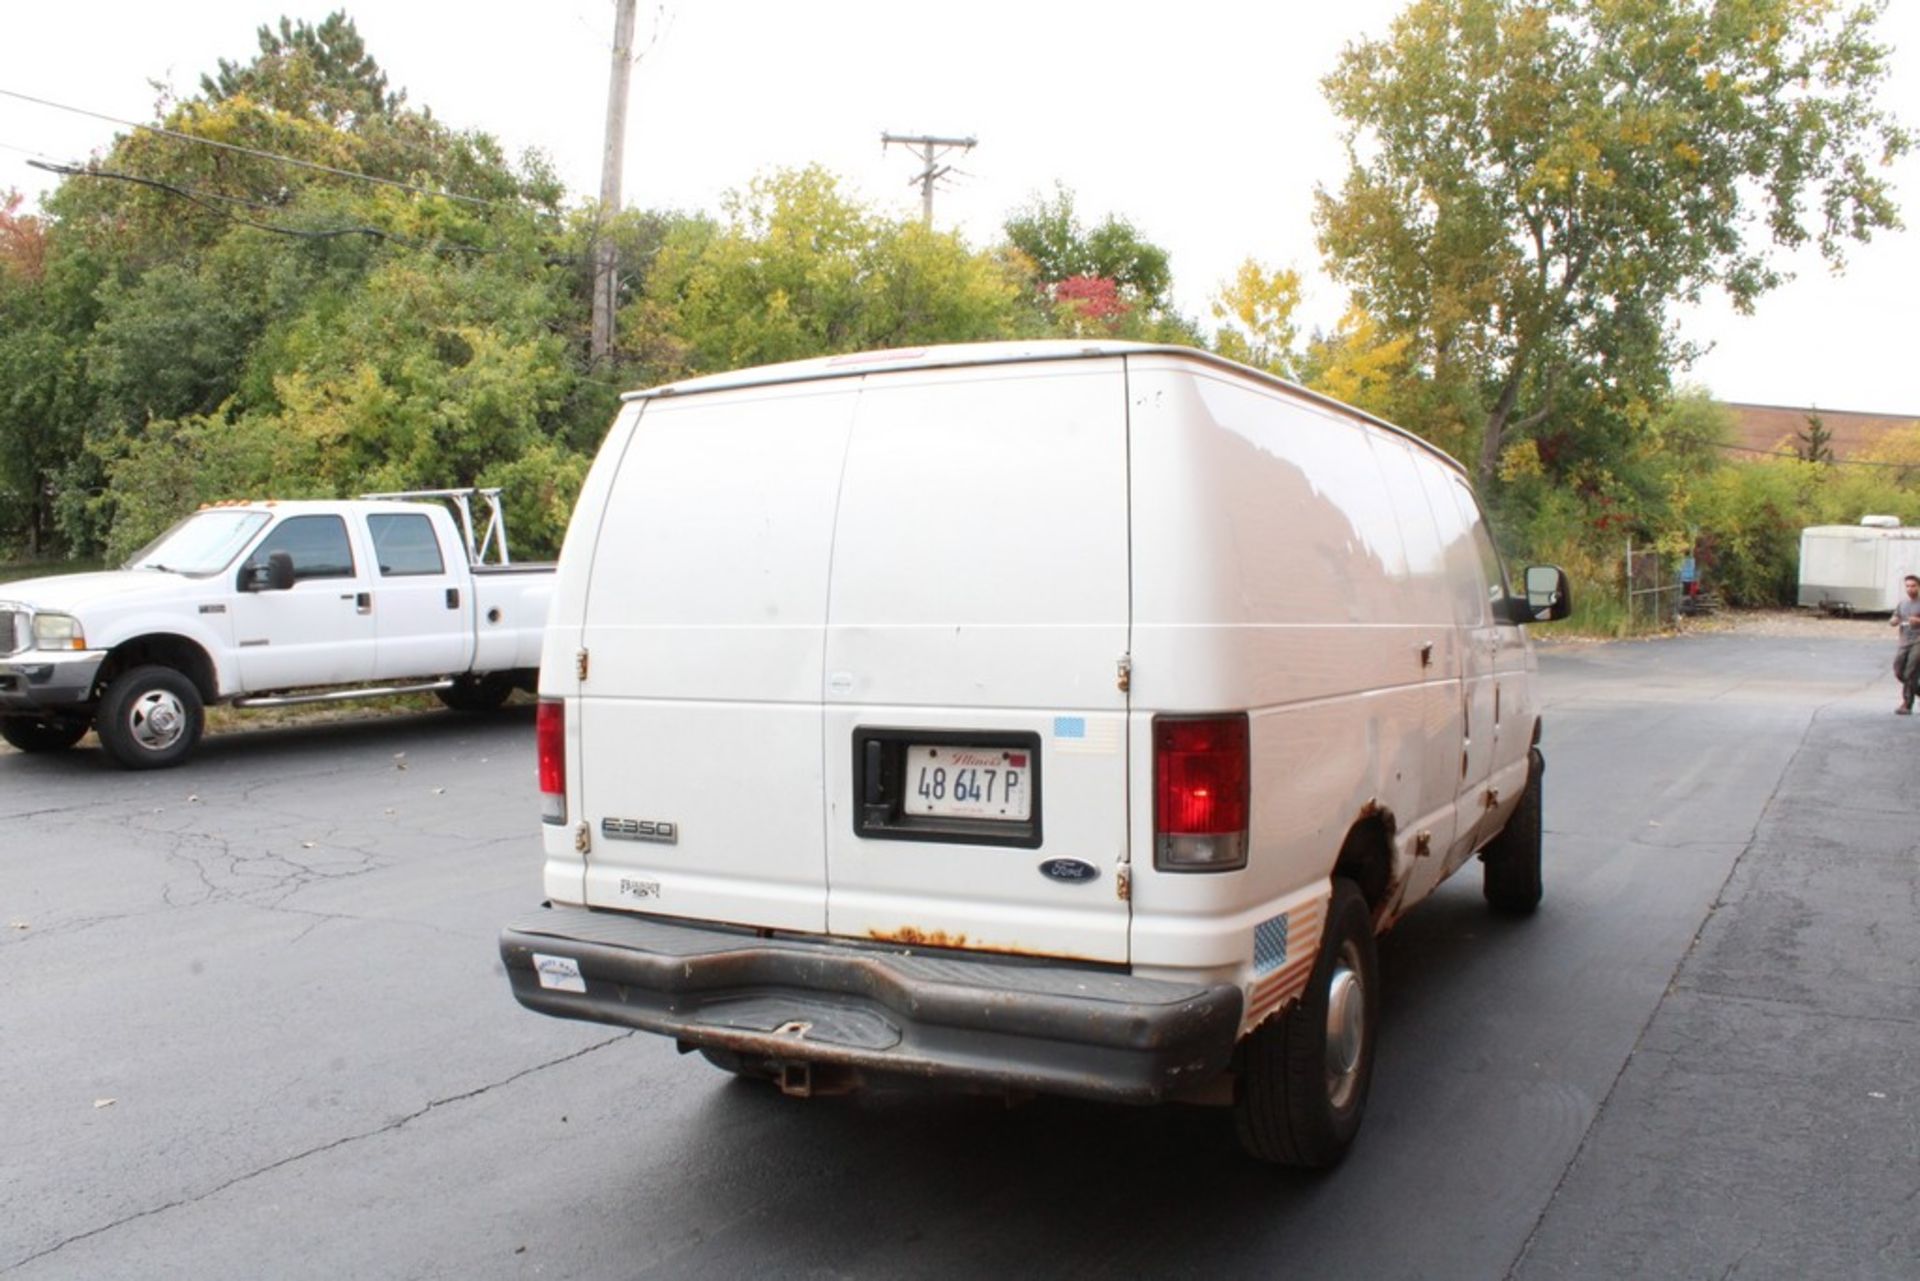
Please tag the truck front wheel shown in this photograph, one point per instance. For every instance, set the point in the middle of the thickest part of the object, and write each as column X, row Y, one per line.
column 42, row 734
column 150, row 717
column 1304, row 1076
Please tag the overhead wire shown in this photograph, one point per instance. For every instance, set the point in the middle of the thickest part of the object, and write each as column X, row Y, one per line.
column 257, row 153
column 1835, row 462
column 207, row 200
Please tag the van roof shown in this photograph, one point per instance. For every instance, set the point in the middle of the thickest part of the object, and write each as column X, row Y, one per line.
column 856, row 364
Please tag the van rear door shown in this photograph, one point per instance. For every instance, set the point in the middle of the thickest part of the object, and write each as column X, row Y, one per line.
column 700, row 716
column 975, row 728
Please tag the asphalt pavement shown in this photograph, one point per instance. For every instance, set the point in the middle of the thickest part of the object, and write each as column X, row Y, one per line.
column 252, row 1024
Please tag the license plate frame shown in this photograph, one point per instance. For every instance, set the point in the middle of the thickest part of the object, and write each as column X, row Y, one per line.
column 987, row 782
column 882, row 781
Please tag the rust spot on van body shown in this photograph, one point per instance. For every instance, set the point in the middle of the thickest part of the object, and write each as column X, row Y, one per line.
column 913, row 937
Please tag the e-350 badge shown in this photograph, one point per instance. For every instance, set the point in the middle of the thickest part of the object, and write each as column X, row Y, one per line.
column 640, row 829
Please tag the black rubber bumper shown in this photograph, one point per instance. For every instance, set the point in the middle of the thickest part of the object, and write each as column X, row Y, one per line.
column 993, row 1022
column 31, row 684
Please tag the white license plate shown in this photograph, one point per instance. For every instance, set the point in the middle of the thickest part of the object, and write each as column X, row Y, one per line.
column 969, row 782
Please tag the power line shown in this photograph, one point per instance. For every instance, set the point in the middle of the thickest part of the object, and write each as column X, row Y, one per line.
column 1835, row 462
column 28, row 151
column 257, row 153
column 206, row 200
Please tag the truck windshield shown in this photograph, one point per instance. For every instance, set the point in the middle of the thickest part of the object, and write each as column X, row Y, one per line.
column 203, row 543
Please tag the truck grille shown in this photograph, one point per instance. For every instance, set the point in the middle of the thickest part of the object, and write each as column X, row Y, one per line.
column 13, row 631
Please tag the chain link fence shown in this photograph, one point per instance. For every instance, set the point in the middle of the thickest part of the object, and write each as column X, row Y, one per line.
column 1653, row 598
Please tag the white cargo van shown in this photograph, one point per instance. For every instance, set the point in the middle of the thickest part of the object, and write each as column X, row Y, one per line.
column 1054, row 717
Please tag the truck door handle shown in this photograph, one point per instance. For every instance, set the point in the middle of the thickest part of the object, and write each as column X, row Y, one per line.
column 453, row 598
column 363, row 603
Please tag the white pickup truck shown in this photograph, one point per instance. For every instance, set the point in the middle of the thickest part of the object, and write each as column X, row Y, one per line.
column 265, row 604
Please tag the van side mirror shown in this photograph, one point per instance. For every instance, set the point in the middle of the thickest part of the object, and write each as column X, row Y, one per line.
column 1549, row 594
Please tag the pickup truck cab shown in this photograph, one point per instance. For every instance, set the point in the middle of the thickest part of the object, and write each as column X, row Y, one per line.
column 267, row 604
column 1053, row 717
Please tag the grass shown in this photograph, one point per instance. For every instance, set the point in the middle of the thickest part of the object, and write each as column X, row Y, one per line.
column 13, row 569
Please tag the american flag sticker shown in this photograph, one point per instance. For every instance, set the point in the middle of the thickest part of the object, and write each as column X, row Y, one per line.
column 1088, row 735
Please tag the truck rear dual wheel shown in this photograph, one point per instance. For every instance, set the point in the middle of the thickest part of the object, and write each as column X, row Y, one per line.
column 1304, row 1076
column 150, row 717
column 1511, row 860
column 42, row 734
column 477, row 693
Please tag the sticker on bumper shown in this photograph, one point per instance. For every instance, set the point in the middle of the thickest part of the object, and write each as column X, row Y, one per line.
column 559, row 973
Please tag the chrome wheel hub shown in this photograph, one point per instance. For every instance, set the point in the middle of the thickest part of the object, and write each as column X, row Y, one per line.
column 157, row 719
column 1346, row 1030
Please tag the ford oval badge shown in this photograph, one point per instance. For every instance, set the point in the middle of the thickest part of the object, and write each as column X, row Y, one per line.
column 1068, row 869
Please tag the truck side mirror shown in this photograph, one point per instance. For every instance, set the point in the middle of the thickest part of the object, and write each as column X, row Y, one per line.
column 274, row 576
column 1549, row 594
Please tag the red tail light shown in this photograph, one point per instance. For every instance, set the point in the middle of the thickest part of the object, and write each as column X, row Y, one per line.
column 550, row 739
column 1201, row 792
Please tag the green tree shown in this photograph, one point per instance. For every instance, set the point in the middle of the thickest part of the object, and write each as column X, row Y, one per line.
column 1533, row 183
column 1105, row 280
column 798, row 269
column 1048, row 230
column 44, row 399
column 242, row 325
column 322, row 72
column 1816, row 442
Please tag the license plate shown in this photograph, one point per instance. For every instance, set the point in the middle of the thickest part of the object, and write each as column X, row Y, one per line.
column 969, row 782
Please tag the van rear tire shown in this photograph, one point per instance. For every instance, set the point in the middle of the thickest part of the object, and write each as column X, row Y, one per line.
column 1511, row 861
column 1304, row 1076
column 736, row 1064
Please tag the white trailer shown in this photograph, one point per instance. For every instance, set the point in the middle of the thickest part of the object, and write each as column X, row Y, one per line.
column 1857, row 569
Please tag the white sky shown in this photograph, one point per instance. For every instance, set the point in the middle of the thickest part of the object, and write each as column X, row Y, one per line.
column 1202, row 123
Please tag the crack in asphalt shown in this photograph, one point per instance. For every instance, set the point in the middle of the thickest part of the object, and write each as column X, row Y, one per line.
column 317, row 1150
column 1639, row 1040
column 84, row 807
column 1798, row 1007
column 296, row 857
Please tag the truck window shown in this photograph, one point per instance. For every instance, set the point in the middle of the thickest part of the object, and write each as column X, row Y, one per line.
column 318, row 545
column 403, row 545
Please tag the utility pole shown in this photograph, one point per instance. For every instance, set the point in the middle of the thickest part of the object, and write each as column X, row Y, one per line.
column 606, row 262
column 929, row 149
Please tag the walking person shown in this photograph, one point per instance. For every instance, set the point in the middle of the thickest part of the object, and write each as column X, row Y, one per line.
column 1906, row 659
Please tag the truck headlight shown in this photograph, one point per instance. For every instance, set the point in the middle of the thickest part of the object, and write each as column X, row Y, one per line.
column 58, row 631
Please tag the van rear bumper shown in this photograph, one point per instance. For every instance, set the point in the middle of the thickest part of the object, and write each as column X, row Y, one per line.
column 990, row 1022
